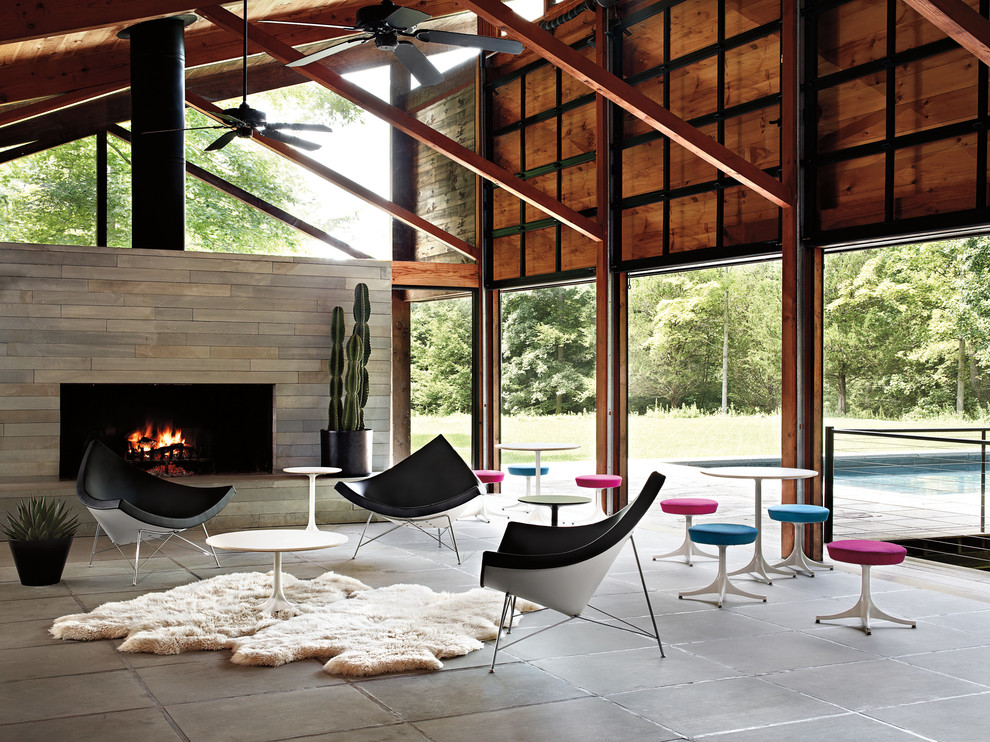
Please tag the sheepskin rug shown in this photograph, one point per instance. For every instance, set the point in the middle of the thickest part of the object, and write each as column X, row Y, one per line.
column 363, row 631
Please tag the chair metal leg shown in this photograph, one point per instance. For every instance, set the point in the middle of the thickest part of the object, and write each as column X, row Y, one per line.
column 137, row 556
column 687, row 547
column 865, row 608
column 646, row 594
column 797, row 559
column 501, row 623
column 95, row 537
column 207, row 533
column 453, row 538
column 722, row 585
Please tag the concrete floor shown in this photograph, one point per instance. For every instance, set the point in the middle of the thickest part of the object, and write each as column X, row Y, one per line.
column 748, row 671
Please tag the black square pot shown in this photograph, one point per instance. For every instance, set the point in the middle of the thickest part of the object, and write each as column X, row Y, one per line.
column 40, row 562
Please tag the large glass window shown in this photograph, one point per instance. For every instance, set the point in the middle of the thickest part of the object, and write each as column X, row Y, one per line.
column 704, row 367
column 548, row 380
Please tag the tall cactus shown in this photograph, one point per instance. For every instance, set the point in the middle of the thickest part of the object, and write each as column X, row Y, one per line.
column 335, row 413
column 357, row 351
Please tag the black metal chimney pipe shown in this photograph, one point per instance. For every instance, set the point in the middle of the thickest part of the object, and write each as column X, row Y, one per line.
column 158, row 162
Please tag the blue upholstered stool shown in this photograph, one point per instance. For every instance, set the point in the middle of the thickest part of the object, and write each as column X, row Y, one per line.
column 528, row 471
column 799, row 515
column 722, row 535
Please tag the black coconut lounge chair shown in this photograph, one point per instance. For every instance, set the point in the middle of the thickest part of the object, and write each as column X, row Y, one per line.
column 431, row 488
column 561, row 567
column 130, row 505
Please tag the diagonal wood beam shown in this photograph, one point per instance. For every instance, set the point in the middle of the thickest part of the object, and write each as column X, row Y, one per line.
column 958, row 21
column 56, row 103
column 404, row 215
column 249, row 199
column 632, row 100
column 15, row 153
column 410, row 125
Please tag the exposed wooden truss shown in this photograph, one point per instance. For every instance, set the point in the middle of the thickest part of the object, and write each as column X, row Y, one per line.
column 631, row 99
column 409, row 125
column 960, row 22
column 345, row 183
column 409, row 273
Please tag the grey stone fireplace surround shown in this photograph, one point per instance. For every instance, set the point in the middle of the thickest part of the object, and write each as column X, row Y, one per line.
column 96, row 315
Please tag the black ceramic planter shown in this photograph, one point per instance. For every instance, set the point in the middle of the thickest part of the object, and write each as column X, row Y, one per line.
column 40, row 562
column 348, row 449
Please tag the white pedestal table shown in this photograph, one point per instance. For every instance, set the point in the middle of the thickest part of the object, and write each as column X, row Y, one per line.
column 312, row 472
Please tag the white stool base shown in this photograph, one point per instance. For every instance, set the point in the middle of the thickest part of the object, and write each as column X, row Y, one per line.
column 687, row 548
column 865, row 608
column 722, row 585
column 797, row 559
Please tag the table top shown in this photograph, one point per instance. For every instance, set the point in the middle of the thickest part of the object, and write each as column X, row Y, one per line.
column 312, row 470
column 538, row 446
column 760, row 472
column 554, row 500
column 276, row 540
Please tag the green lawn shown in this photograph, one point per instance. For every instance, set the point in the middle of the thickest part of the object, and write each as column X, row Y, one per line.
column 649, row 437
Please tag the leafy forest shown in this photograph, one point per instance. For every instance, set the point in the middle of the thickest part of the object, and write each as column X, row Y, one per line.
column 906, row 336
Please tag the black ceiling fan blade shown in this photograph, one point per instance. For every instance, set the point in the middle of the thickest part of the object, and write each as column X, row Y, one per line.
column 299, row 127
column 316, row 25
column 222, row 142
column 317, row 56
column 488, row 43
column 289, row 139
column 416, row 62
column 405, row 18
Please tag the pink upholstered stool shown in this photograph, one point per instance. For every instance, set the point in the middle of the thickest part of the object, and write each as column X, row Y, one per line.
column 489, row 476
column 688, row 507
column 866, row 554
column 599, row 482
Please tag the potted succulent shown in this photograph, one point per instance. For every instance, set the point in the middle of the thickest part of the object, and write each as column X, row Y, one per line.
column 40, row 532
column 346, row 442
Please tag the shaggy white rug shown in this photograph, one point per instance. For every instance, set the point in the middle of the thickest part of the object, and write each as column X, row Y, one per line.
column 365, row 631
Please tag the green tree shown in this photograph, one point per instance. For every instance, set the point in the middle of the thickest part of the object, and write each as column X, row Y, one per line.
column 50, row 197
column 548, row 350
column 441, row 357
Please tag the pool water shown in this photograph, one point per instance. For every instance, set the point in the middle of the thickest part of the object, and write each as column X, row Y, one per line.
column 961, row 478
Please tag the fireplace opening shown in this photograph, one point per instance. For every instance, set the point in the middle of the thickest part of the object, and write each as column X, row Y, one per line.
column 170, row 429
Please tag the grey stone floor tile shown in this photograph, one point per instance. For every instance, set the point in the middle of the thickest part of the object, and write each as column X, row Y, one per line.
column 433, row 695
column 581, row 720
column 893, row 640
column 858, row 686
column 146, row 725
column 199, row 681
column 71, row 695
column 845, row 728
column 787, row 650
column 971, row 664
column 795, row 614
column 393, row 733
column 964, row 719
column 17, row 591
column 26, row 634
column 272, row 716
column 29, row 610
column 697, row 709
column 63, row 658
column 575, row 638
column 148, row 579
column 976, row 623
column 701, row 625
column 635, row 669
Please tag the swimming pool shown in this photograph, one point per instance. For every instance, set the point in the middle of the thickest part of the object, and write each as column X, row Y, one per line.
column 929, row 479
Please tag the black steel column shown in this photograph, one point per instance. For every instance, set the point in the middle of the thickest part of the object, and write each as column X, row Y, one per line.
column 158, row 164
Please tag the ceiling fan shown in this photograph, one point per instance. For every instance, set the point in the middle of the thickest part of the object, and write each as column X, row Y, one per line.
column 243, row 120
column 386, row 22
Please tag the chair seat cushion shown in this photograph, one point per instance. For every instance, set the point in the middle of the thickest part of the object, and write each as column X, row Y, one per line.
column 861, row 551
column 688, row 506
column 598, row 481
column 489, row 476
column 523, row 470
column 723, row 534
column 794, row 513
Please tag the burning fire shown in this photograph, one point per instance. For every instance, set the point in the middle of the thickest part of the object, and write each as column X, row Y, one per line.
column 151, row 438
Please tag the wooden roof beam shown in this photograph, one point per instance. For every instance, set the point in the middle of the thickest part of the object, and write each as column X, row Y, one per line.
column 36, row 20
column 434, row 275
column 409, row 125
column 960, row 22
column 632, row 100
column 332, row 176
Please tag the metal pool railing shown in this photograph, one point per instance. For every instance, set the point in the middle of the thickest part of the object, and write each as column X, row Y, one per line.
column 906, row 484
